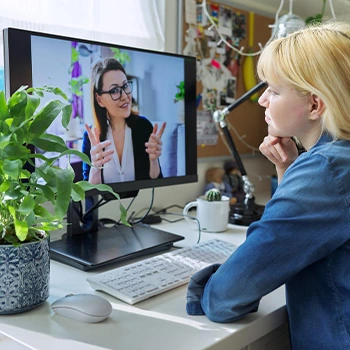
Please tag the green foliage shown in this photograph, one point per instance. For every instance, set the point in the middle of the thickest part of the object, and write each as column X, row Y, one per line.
column 120, row 56
column 213, row 195
column 180, row 95
column 75, row 85
column 317, row 18
column 23, row 193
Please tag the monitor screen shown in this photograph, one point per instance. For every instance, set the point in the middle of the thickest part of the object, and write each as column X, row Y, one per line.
column 153, row 80
column 127, row 94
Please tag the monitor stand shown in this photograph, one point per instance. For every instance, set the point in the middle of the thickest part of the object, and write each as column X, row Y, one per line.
column 88, row 247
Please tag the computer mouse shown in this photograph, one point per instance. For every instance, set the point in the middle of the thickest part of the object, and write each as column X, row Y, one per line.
column 88, row 308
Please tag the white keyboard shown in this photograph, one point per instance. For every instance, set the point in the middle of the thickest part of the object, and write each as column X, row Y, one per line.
column 141, row 280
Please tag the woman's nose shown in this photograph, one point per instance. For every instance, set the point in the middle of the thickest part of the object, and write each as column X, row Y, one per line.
column 123, row 94
column 263, row 100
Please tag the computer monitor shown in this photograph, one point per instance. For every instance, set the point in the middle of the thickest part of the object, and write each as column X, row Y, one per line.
column 37, row 59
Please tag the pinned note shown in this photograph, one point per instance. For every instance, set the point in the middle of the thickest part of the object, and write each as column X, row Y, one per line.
column 191, row 12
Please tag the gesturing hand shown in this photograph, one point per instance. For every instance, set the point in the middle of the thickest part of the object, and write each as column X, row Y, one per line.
column 99, row 156
column 154, row 144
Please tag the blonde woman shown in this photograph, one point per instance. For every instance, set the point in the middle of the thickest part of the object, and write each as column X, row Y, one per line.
column 303, row 238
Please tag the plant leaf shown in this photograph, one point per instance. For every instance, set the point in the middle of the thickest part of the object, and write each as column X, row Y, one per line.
column 4, row 186
column 50, row 226
column 12, row 168
column 50, row 143
column 12, row 195
column 27, row 205
column 32, row 104
column 17, row 104
column 4, row 111
column 64, row 181
column 81, row 155
column 44, row 119
column 21, row 227
column 105, row 188
column 78, row 193
column 43, row 213
column 66, row 114
column 15, row 150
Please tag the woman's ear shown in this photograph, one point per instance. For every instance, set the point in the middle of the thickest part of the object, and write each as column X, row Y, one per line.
column 317, row 107
column 99, row 100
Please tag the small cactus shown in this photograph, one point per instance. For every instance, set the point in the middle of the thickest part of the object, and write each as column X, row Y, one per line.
column 213, row 195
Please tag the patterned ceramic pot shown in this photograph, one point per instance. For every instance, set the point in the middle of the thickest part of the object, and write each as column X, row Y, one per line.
column 24, row 276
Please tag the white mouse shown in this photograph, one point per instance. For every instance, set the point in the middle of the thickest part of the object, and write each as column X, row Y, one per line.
column 88, row 308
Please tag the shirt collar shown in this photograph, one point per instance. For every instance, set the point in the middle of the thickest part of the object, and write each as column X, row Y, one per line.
column 325, row 138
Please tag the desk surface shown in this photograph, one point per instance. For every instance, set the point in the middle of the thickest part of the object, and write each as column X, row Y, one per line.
column 160, row 322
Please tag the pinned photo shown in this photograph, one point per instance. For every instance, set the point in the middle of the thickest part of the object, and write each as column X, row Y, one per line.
column 231, row 90
column 225, row 21
column 210, row 97
column 222, row 99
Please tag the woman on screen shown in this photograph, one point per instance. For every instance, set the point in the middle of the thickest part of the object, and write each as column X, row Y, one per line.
column 122, row 145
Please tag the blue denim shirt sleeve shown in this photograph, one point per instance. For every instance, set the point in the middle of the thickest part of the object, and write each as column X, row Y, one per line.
column 302, row 223
column 196, row 288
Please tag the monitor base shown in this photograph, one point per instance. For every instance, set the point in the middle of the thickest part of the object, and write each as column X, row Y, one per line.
column 87, row 251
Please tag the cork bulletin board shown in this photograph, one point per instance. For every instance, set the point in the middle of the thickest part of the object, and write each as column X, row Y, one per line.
column 241, row 29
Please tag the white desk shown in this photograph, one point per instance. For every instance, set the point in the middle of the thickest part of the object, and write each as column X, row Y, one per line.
column 157, row 323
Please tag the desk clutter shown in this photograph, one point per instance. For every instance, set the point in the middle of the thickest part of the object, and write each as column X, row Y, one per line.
column 225, row 41
column 141, row 280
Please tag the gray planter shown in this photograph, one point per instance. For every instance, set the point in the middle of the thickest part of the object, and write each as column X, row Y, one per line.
column 24, row 276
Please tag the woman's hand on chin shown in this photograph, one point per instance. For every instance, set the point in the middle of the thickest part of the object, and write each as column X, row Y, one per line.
column 281, row 151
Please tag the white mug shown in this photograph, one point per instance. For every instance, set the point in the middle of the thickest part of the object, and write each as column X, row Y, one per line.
column 212, row 216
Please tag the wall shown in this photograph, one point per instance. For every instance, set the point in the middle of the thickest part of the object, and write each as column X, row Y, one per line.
column 258, row 168
column 301, row 8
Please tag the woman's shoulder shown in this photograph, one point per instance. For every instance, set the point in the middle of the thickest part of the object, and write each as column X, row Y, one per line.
column 143, row 120
column 137, row 121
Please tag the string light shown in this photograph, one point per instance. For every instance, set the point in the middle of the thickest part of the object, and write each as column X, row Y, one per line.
column 240, row 51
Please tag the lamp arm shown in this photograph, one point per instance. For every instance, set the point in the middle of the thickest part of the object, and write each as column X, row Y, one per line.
column 219, row 117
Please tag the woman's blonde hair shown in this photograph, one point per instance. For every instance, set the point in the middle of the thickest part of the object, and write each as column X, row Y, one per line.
column 315, row 60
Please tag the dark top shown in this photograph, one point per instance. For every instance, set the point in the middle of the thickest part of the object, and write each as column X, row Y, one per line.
column 141, row 129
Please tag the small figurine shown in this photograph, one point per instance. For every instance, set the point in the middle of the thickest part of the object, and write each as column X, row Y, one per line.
column 233, row 177
column 214, row 179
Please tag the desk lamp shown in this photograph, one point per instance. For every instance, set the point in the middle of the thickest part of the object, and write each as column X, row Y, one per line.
column 247, row 212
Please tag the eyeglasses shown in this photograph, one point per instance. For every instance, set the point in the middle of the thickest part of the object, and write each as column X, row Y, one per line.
column 116, row 92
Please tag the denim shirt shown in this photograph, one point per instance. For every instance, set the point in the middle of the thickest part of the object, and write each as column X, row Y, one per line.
column 302, row 241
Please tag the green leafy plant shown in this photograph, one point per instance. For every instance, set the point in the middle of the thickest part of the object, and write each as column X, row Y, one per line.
column 23, row 193
column 76, row 84
column 317, row 18
column 180, row 95
column 122, row 57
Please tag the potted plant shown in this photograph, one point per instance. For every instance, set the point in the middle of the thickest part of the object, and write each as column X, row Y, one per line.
column 213, row 195
column 24, row 220
column 212, row 211
column 179, row 98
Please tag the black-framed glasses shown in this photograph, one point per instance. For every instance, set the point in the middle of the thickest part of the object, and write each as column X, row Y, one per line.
column 116, row 92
